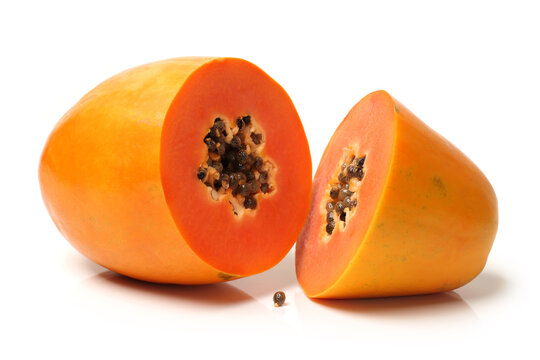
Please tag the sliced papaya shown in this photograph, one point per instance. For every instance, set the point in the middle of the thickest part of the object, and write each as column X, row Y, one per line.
column 396, row 209
column 188, row 171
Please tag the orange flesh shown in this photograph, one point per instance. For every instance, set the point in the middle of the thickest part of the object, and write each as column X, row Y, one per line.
column 320, row 262
column 101, row 171
column 248, row 244
column 426, row 216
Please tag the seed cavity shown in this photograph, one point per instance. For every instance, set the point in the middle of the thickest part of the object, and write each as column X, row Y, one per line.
column 236, row 167
column 341, row 198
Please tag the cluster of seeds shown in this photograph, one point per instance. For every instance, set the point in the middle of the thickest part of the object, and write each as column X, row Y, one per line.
column 234, row 162
column 341, row 196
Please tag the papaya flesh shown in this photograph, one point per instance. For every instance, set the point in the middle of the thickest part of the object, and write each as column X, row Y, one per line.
column 424, row 216
column 129, row 175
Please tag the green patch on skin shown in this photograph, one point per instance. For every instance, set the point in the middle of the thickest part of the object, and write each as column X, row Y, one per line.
column 439, row 184
column 225, row 276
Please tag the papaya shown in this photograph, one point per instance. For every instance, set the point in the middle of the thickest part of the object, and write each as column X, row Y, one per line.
column 186, row 171
column 396, row 209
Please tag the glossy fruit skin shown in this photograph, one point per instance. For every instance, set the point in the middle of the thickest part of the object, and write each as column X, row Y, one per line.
column 101, row 174
column 434, row 224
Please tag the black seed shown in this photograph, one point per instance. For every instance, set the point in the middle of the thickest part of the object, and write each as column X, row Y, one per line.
column 201, row 174
column 250, row 160
column 342, row 216
column 348, row 202
column 246, row 119
column 222, row 148
column 217, row 184
column 245, row 190
column 360, row 161
column 219, row 124
column 334, row 192
column 344, row 193
column 343, row 178
column 214, row 134
column 241, row 177
column 257, row 138
column 339, row 207
column 352, row 170
column 224, row 178
column 231, row 157
column 211, row 144
column 329, row 217
column 360, row 175
column 239, row 123
column 330, row 227
column 329, row 206
column 263, row 177
column 250, row 203
column 255, row 186
column 236, row 142
column 250, row 176
column 265, row 188
column 279, row 298
column 218, row 166
column 257, row 163
column 233, row 181
column 242, row 156
column 207, row 184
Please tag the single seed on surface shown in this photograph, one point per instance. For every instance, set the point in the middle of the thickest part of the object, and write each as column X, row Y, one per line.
column 217, row 184
column 246, row 119
column 340, row 207
column 348, row 203
column 265, row 188
column 279, row 298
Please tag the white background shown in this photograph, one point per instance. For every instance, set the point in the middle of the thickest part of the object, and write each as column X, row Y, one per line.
column 469, row 69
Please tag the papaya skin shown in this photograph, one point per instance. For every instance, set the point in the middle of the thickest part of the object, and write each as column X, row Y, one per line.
column 431, row 230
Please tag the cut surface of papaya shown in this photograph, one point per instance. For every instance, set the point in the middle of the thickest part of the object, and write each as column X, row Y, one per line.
column 188, row 171
column 396, row 209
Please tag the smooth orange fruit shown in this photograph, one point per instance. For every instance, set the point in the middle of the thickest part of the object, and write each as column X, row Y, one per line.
column 422, row 216
column 120, row 172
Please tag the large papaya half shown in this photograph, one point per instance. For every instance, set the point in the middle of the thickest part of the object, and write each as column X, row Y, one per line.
column 395, row 210
column 189, row 171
